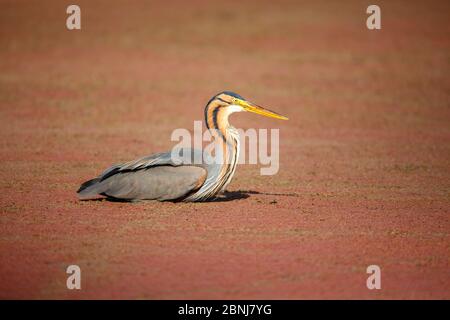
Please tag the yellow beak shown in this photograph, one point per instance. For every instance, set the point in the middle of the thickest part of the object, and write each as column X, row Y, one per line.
column 247, row 106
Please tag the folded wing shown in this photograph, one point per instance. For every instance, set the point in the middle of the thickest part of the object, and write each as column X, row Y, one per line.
column 154, row 177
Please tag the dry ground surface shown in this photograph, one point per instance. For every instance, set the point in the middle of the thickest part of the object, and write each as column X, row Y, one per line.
column 365, row 158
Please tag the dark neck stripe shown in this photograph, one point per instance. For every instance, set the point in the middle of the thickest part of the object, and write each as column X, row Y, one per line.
column 215, row 123
column 222, row 100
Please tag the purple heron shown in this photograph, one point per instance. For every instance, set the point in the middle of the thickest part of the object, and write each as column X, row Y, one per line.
column 159, row 177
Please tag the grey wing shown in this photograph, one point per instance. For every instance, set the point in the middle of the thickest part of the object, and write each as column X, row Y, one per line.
column 154, row 183
column 154, row 177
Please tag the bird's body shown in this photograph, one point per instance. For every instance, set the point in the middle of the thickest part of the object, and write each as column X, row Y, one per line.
column 161, row 177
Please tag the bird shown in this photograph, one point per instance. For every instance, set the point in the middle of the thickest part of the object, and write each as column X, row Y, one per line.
column 160, row 177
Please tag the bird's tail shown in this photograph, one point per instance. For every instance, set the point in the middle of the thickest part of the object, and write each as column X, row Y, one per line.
column 86, row 190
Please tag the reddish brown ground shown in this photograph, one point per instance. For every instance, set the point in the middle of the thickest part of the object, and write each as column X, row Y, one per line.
column 365, row 157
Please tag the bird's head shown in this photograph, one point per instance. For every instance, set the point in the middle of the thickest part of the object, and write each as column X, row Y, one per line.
column 230, row 102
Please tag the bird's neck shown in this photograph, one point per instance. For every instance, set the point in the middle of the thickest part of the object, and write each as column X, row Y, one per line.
column 225, row 136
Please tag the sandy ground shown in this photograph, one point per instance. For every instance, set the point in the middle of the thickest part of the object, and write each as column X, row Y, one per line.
column 365, row 157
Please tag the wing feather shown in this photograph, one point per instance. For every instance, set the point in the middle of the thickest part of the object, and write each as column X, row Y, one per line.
column 151, row 177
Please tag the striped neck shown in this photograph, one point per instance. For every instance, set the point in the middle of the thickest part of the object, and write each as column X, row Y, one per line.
column 225, row 136
column 226, row 139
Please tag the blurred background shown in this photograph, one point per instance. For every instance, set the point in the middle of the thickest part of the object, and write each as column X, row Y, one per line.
column 364, row 175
